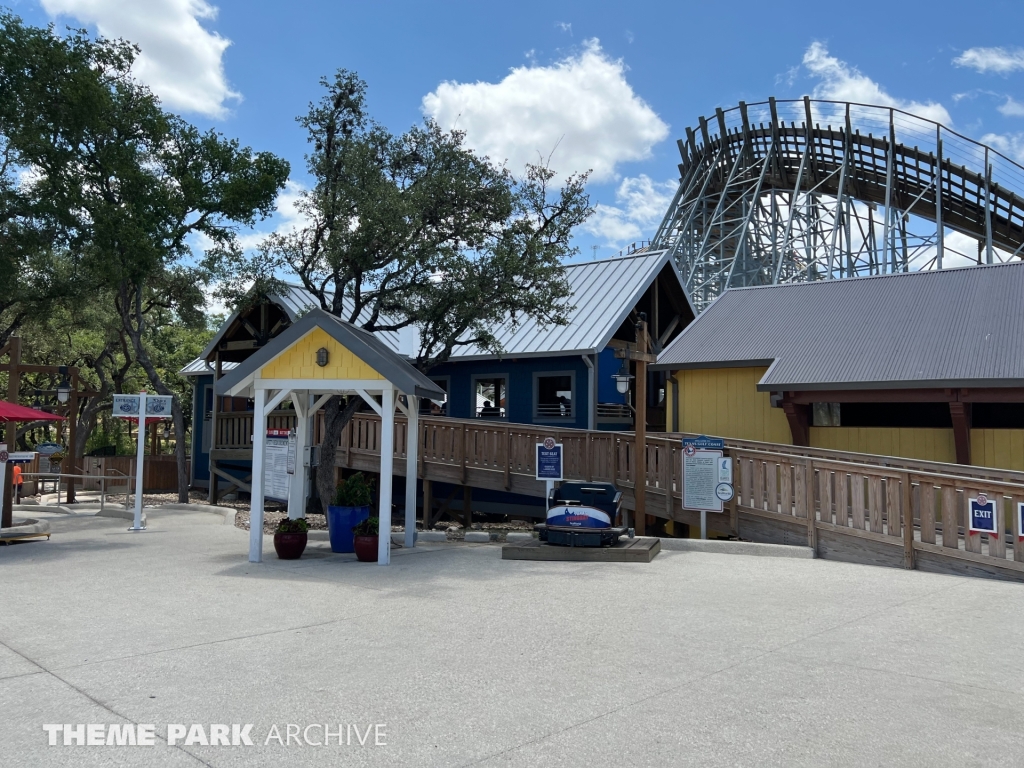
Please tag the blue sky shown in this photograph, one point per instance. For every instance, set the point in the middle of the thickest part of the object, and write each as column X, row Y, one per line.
column 612, row 84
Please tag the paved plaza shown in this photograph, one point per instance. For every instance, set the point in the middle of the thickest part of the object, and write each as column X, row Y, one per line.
column 455, row 657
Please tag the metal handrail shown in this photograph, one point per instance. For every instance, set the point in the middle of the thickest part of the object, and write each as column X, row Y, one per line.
column 102, row 478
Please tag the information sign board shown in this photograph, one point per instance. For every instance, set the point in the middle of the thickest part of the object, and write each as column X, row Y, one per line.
column 276, row 480
column 701, row 472
column 549, row 460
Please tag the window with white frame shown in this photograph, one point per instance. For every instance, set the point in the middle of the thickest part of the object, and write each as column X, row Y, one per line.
column 554, row 395
column 490, row 396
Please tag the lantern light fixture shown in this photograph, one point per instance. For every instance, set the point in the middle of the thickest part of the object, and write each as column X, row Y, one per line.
column 321, row 357
column 622, row 378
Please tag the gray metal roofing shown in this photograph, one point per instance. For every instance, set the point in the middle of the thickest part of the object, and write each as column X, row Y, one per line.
column 603, row 293
column 199, row 367
column 361, row 343
column 949, row 328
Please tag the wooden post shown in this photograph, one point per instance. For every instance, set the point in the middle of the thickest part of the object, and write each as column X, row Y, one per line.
column 462, row 450
column 508, row 458
column 7, row 498
column 812, row 528
column 72, row 435
column 428, row 502
column 640, row 480
column 212, row 497
column 467, row 506
column 908, row 522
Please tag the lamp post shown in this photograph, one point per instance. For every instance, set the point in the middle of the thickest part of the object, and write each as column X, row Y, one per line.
column 638, row 354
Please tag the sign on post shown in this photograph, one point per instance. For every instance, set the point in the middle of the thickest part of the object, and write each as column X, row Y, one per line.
column 548, row 466
column 701, row 456
column 141, row 407
column 702, row 477
column 275, row 465
column 982, row 515
column 292, row 443
column 549, row 460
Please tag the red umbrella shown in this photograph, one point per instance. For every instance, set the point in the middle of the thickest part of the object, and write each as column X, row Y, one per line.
column 15, row 412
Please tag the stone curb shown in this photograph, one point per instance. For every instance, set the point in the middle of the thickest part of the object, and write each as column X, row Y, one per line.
column 121, row 514
column 61, row 510
column 432, row 536
column 23, row 528
column 723, row 547
column 515, row 536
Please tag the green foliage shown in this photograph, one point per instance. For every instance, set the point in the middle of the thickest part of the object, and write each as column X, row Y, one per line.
column 368, row 527
column 298, row 525
column 354, row 491
column 418, row 230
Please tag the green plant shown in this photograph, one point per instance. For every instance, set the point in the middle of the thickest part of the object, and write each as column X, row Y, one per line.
column 298, row 525
column 368, row 527
column 355, row 491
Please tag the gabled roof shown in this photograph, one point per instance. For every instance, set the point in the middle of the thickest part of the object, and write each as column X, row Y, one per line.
column 948, row 328
column 603, row 292
column 362, row 344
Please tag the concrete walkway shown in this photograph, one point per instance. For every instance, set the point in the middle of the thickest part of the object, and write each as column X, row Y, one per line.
column 695, row 659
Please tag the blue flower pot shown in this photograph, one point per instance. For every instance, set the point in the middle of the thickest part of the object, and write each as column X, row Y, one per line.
column 340, row 522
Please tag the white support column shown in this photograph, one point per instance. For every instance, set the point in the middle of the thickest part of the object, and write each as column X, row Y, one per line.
column 297, row 486
column 259, row 441
column 412, row 451
column 387, row 460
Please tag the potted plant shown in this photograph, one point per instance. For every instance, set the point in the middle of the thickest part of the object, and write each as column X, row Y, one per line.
column 366, row 537
column 290, row 538
column 351, row 506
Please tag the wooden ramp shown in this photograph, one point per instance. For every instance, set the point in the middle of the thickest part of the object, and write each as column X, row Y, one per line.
column 638, row 550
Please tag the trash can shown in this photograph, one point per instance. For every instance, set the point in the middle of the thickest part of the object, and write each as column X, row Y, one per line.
column 340, row 522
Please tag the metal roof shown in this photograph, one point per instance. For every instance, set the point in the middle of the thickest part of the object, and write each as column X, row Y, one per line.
column 603, row 293
column 950, row 328
column 364, row 345
column 199, row 367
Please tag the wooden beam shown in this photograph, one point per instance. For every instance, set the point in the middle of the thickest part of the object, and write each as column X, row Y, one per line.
column 467, row 506
column 799, row 417
column 961, row 415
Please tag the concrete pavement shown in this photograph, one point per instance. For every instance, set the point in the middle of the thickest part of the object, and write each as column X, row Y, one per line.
column 698, row 658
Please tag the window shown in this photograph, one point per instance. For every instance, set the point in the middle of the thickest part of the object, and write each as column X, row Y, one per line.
column 826, row 415
column 934, row 415
column 490, row 397
column 554, row 395
column 430, row 407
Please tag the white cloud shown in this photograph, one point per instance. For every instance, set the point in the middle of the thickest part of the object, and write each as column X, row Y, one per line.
column 581, row 105
column 838, row 81
column 181, row 60
column 999, row 60
column 641, row 205
column 1012, row 108
column 288, row 216
column 1011, row 145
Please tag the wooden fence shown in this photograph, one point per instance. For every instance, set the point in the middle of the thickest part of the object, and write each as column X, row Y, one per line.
column 880, row 510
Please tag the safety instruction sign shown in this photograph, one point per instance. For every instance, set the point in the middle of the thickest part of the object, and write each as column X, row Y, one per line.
column 549, row 460
column 702, row 470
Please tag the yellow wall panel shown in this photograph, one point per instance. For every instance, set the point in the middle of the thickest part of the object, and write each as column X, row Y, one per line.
column 1003, row 448
column 299, row 361
column 909, row 442
column 725, row 402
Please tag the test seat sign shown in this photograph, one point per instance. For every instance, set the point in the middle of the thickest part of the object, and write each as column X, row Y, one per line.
column 549, row 460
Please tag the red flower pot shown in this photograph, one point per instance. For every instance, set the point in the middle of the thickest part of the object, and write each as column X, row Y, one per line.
column 366, row 548
column 290, row 546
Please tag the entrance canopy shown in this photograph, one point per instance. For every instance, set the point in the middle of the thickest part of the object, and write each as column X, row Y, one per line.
column 317, row 357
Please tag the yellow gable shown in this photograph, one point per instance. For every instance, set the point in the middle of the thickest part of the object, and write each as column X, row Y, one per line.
column 299, row 361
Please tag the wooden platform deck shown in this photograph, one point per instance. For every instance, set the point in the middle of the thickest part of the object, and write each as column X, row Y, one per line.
column 638, row 550
column 883, row 510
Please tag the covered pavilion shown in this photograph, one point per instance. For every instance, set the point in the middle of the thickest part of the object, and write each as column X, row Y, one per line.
column 319, row 356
